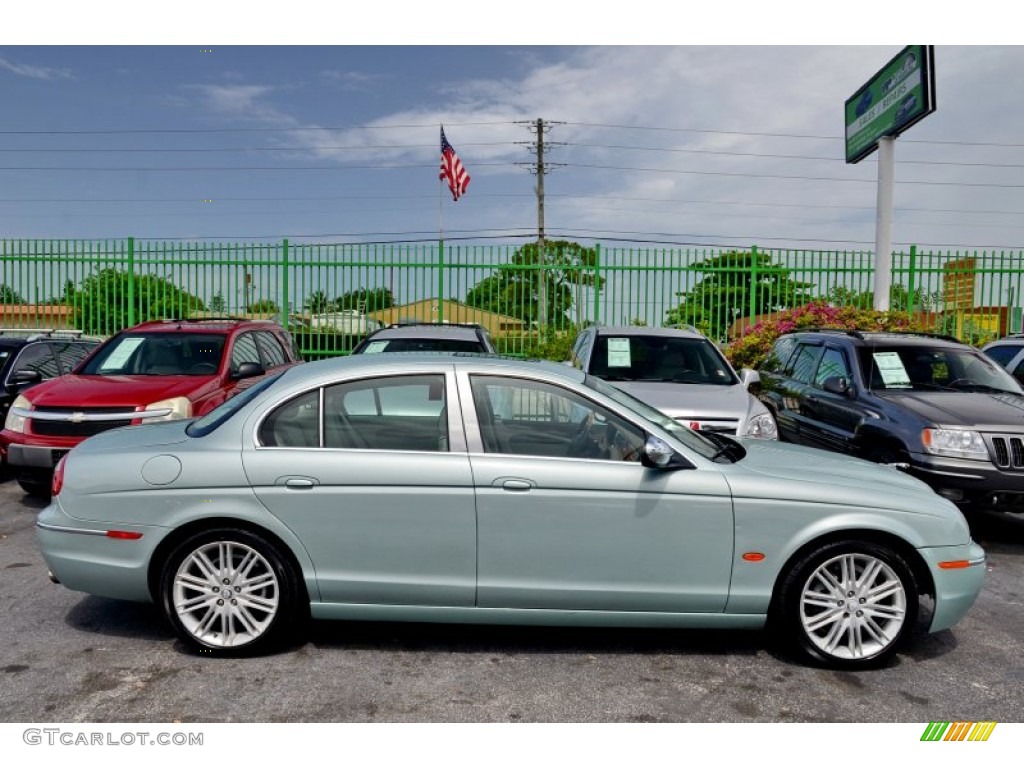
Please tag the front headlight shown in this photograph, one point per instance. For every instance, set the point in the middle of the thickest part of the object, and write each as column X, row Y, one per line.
column 962, row 443
column 14, row 422
column 763, row 427
column 181, row 408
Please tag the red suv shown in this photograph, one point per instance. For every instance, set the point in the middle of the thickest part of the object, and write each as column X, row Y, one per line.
column 156, row 371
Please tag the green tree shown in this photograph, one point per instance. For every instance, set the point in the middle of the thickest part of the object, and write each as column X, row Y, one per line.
column 263, row 307
column 318, row 303
column 899, row 298
column 101, row 304
column 218, row 304
column 9, row 296
column 564, row 267
column 366, row 300
column 736, row 284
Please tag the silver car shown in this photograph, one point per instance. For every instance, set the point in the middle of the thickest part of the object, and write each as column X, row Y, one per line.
column 481, row 490
column 678, row 371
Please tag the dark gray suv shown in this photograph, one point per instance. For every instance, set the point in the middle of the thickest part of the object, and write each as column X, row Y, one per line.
column 939, row 409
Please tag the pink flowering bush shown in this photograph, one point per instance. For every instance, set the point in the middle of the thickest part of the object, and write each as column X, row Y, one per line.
column 753, row 347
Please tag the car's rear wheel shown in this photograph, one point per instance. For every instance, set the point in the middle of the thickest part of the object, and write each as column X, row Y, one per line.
column 849, row 604
column 37, row 487
column 230, row 591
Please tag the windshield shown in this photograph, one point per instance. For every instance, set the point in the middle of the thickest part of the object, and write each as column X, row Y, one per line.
column 693, row 440
column 158, row 354
column 660, row 358
column 928, row 368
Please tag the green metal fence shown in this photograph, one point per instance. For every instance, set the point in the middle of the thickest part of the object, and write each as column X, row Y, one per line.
column 332, row 293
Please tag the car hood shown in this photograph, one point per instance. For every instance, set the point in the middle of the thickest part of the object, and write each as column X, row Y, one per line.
column 697, row 401
column 786, row 471
column 109, row 391
column 971, row 409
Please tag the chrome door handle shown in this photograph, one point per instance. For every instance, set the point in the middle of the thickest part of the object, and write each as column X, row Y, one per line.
column 299, row 483
column 517, row 485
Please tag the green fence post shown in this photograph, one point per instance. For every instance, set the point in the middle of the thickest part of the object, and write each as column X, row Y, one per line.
column 284, row 282
column 912, row 280
column 597, row 283
column 440, row 280
column 752, row 308
column 131, row 282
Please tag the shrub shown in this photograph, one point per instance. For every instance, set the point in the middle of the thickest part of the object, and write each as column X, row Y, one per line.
column 751, row 349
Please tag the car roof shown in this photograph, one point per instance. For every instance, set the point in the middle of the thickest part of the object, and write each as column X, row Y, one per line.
column 200, row 325
column 1013, row 338
column 643, row 330
column 895, row 338
column 397, row 363
column 429, row 330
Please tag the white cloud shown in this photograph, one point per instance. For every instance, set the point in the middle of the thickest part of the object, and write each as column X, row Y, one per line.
column 34, row 71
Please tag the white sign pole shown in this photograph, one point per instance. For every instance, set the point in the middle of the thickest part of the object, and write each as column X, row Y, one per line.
column 883, row 222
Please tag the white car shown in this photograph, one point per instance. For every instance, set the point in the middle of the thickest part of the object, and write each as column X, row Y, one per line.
column 678, row 371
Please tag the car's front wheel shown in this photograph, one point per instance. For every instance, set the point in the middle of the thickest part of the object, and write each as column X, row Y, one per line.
column 848, row 604
column 230, row 591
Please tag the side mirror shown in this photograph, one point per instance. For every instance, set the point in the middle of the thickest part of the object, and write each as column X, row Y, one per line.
column 23, row 378
column 748, row 377
column 247, row 371
column 838, row 385
column 657, row 454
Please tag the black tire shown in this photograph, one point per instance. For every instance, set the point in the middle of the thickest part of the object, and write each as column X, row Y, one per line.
column 260, row 601
column 847, row 622
column 39, row 489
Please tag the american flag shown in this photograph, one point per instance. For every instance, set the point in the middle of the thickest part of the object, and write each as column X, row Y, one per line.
column 452, row 170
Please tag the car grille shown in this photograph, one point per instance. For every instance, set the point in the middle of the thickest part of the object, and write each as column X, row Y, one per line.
column 1008, row 451
column 77, row 429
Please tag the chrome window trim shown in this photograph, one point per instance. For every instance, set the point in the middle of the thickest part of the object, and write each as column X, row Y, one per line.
column 456, row 431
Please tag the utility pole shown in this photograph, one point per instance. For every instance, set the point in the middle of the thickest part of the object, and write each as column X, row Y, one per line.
column 542, row 287
column 540, row 167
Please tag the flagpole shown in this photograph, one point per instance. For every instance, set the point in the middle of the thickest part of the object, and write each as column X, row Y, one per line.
column 440, row 246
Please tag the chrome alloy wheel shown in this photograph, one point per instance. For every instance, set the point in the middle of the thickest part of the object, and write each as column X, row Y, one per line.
column 853, row 606
column 225, row 594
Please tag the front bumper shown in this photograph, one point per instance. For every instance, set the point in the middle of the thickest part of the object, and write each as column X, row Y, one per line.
column 970, row 482
column 956, row 588
column 33, row 452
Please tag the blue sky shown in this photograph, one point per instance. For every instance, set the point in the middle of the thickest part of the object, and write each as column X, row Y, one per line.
column 681, row 144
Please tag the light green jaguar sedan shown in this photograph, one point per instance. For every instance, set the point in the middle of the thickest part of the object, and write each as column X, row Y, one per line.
column 476, row 489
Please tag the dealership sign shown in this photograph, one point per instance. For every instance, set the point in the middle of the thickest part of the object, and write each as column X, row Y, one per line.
column 901, row 93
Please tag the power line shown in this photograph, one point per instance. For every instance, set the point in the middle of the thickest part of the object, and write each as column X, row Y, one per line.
column 407, row 126
column 303, row 129
column 835, row 137
column 561, row 198
column 747, row 175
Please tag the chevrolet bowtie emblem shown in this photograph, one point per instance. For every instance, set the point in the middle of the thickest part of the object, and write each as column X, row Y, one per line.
column 77, row 417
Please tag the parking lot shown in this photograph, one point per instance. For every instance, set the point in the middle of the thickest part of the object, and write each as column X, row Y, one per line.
column 68, row 657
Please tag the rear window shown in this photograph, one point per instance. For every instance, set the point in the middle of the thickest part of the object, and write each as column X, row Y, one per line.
column 421, row 345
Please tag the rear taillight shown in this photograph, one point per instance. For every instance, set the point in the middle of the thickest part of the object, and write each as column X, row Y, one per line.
column 58, row 476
